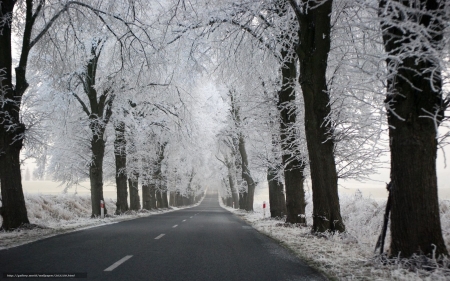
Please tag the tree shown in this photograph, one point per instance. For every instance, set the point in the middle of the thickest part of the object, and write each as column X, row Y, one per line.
column 314, row 45
column 413, row 36
column 230, row 179
column 294, row 165
column 99, row 113
column 12, row 131
column 277, row 200
column 259, row 26
column 120, row 157
column 35, row 19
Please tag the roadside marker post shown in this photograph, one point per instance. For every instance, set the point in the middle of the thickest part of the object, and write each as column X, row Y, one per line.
column 264, row 208
column 233, row 204
column 102, row 209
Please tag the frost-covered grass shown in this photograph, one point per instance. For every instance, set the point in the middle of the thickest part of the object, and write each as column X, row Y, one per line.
column 56, row 214
column 349, row 256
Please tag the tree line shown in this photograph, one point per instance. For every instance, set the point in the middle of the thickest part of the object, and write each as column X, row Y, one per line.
column 307, row 87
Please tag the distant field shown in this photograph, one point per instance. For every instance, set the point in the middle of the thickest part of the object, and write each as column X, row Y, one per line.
column 374, row 191
column 50, row 187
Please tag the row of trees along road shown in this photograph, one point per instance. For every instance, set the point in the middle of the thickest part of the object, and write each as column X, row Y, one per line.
column 307, row 85
column 90, row 61
column 395, row 47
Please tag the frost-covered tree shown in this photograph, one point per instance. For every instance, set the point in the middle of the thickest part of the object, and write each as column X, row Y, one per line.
column 414, row 36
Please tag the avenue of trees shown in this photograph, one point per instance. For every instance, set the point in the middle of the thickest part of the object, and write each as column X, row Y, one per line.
column 171, row 97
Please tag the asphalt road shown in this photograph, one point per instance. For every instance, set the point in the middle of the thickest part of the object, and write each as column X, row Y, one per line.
column 200, row 243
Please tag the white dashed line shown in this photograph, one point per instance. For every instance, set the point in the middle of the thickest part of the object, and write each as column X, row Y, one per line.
column 175, row 226
column 191, row 217
column 159, row 236
column 184, row 220
column 117, row 263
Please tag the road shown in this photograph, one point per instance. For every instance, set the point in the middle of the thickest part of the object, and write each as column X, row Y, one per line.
column 206, row 242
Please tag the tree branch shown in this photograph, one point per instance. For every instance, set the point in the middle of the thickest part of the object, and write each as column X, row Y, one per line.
column 83, row 105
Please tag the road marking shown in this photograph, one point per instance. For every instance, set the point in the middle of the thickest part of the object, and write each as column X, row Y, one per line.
column 117, row 263
column 184, row 220
column 159, row 236
column 191, row 217
column 175, row 226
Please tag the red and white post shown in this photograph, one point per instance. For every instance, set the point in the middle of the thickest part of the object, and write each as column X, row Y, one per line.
column 102, row 209
column 264, row 208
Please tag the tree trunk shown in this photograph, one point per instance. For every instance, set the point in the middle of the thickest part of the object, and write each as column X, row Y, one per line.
column 96, row 173
column 121, row 173
column 412, row 92
column 185, row 200
column 13, row 208
column 179, row 200
column 246, row 175
column 148, row 196
column 313, row 49
column 277, row 201
column 158, row 177
column 159, row 199
column 243, row 200
column 172, row 198
column 134, row 192
column 234, row 192
column 99, row 115
column 293, row 167
column 152, row 190
column 165, row 203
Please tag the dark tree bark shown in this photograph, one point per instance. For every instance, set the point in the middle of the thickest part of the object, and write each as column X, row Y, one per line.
column 172, row 199
column 96, row 174
column 243, row 200
column 135, row 204
column 121, row 174
column 178, row 199
column 12, row 131
column 293, row 167
column 152, row 190
column 158, row 176
column 312, row 50
column 159, row 199
column 99, row 113
column 412, row 92
column 277, row 201
column 148, row 196
column 246, row 175
column 234, row 192
column 165, row 202
column 185, row 200
column 229, row 201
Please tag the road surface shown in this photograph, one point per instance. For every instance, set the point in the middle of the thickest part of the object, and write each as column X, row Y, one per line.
column 202, row 243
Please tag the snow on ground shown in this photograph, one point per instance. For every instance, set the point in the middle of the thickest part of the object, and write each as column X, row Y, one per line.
column 348, row 256
column 57, row 214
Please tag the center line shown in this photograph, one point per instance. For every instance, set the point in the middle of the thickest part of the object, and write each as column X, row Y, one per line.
column 184, row 220
column 159, row 236
column 175, row 226
column 191, row 217
column 117, row 263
